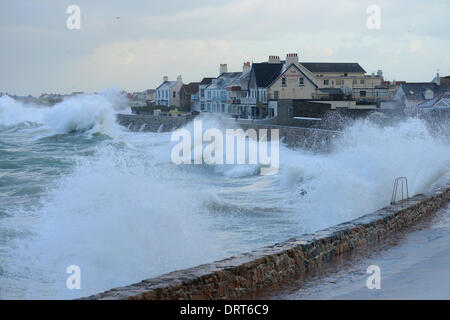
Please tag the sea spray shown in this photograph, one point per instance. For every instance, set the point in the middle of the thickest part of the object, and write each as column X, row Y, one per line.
column 91, row 113
column 357, row 176
column 13, row 112
column 121, row 219
column 124, row 212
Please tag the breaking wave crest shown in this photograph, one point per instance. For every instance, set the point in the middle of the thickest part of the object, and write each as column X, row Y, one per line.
column 90, row 113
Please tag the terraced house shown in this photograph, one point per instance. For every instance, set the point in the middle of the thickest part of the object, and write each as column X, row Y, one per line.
column 289, row 79
column 216, row 93
column 200, row 104
column 254, row 92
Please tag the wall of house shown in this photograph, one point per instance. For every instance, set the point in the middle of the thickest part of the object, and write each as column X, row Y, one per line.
column 162, row 96
column 348, row 81
column 351, row 104
column 175, row 92
column 292, row 89
column 271, row 266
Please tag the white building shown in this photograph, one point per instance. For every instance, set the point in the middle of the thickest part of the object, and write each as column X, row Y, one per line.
column 168, row 93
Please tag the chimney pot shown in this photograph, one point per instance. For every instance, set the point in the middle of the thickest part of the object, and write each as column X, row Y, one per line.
column 291, row 58
column 223, row 68
column 274, row 59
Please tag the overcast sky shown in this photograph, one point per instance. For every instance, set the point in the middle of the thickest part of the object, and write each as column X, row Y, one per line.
column 133, row 44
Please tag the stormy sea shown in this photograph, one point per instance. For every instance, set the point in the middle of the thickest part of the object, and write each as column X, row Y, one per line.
column 78, row 189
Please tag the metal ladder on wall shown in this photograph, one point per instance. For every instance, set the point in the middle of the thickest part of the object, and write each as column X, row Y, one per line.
column 404, row 183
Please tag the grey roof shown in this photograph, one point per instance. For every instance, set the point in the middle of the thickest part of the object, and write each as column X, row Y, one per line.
column 416, row 90
column 241, row 81
column 166, row 85
column 265, row 73
column 206, row 80
column 333, row 67
column 445, row 83
column 443, row 100
column 224, row 80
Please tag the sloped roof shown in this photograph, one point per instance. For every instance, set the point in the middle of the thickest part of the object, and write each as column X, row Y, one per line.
column 416, row 90
column 207, row 80
column 265, row 73
column 224, row 80
column 445, row 82
column 166, row 85
column 191, row 88
column 441, row 101
column 333, row 67
column 241, row 81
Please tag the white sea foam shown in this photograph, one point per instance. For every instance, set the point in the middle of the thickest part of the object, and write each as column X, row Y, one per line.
column 91, row 113
column 13, row 112
column 128, row 213
column 119, row 218
column 357, row 176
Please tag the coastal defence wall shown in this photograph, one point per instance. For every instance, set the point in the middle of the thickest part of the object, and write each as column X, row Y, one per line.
column 243, row 274
column 150, row 123
column 294, row 137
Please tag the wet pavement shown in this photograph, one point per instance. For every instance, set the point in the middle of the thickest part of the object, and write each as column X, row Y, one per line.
column 414, row 264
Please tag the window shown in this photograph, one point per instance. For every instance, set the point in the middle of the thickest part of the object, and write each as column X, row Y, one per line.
column 276, row 94
column 339, row 82
column 302, row 81
column 355, row 81
column 362, row 81
column 202, row 93
column 174, row 94
column 326, row 82
column 362, row 93
column 345, row 74
column 283, row 81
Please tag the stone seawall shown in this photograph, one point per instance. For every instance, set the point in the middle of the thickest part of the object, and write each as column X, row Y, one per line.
column 150, row 123
column 294, row 137
column 243, row 274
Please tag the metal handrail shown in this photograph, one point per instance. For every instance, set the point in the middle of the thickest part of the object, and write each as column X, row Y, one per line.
column 404, row 182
